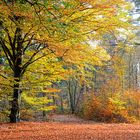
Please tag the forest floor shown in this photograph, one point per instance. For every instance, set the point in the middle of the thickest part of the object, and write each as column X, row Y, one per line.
column 68, row 127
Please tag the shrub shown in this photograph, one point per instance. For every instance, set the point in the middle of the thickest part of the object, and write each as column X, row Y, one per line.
column 111, row 109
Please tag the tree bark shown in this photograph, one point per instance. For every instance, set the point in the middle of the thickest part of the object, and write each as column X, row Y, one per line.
column 15, row 109
column 15, row 115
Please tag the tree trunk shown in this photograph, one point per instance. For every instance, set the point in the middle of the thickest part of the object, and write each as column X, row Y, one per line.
column 15, row 115
column 70, row 97
column 61, row 104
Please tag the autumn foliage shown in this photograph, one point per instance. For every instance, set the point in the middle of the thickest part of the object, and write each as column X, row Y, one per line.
column 51, row 53
column 74, row 131
column 115, row 106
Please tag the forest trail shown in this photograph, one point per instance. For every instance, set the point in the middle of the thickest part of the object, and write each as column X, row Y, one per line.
column 67, row 119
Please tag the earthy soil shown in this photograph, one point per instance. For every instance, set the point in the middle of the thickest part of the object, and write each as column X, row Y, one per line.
column 67, row 127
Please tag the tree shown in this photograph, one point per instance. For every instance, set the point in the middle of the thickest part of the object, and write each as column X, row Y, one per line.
column 31, row 30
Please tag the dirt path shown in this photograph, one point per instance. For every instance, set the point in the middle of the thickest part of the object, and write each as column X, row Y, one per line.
column 67, row 119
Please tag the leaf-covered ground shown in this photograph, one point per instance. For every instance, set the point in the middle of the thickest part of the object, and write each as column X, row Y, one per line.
column 68, row 130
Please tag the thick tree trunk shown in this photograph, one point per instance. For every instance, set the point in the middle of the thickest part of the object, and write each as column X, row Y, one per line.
column 15, row 114
column 15, row 109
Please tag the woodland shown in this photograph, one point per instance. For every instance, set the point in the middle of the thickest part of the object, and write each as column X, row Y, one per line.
column 78, row 57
